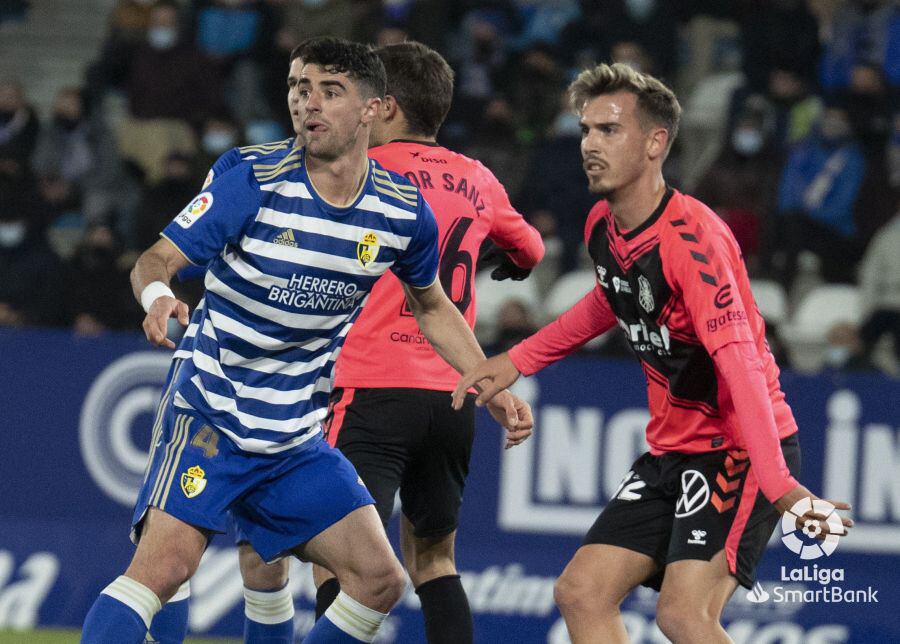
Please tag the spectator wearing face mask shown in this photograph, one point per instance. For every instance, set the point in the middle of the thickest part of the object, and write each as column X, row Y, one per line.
column 18, row 123
column 741, row 184
column 171, row 89
column 82, row 152
column 816, row 198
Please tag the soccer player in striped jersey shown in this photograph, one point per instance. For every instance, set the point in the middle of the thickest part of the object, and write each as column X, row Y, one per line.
column 293, row 248
column 693, row 515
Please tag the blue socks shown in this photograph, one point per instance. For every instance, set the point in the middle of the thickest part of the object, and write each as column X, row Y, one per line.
column 346, row 622
column 121, row 614
column 171, row 623
column 269, row 616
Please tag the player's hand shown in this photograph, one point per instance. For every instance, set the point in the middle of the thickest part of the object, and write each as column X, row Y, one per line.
column 514, row 415
column 506, row 268
column 785, row 503
column 157, row 321
column 491, row 376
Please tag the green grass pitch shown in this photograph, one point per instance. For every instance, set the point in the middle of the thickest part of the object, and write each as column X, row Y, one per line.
column 72, row 637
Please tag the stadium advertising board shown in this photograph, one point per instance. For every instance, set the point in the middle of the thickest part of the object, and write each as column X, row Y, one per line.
column 77, row 416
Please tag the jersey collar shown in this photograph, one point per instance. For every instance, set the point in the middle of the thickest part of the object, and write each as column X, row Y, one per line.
column 652, row 219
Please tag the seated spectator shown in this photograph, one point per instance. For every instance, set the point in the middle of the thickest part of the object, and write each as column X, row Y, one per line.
column 18, row 123
column 98, row 294
column 534, row 82
column 170, row 78
column 741, row 184
column 514, row 324
column 861, row 32
column 844, row 351
column 555, row 182
column 162, row 201
column 30, row 275
column 81, row 151
column 879, row 283
column 817, row 193
column 496, row 145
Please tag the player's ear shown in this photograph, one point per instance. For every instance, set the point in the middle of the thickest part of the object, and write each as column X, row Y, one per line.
column 657, row 142
column 388, row 108
column 371, row 109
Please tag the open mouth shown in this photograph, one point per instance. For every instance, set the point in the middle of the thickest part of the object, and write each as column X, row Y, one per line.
column 594, row 166
column 315, row 126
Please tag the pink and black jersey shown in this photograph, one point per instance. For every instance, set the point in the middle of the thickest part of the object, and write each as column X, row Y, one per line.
column 385, row 348
column 678, row 288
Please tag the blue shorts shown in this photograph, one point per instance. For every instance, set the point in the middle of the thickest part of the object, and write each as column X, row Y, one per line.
column 278, row 502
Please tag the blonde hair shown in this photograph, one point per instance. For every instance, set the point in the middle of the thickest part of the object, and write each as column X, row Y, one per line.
column 657, row 104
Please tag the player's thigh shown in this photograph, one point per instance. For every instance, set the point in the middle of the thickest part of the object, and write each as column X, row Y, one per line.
column 695, row 590
column 373, row 428
column 354, row 547
column 257, row 574
column 304, row 494
column 600, row 576
column 435, row 478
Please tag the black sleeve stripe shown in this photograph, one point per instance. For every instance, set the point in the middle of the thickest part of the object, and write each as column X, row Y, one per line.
column 709, row 279
column 689, row 237
column 700, row 257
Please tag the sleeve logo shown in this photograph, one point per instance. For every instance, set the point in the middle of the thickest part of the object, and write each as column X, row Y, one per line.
column 192, row 212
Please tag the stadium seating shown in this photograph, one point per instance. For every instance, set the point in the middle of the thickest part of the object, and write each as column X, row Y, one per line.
column 491, row 295
column 820, row 310
column 771, row 300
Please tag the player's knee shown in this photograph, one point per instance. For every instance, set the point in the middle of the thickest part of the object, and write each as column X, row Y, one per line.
column 386, row 584
column 679, row 620
column 259, row 575
column 575, row 592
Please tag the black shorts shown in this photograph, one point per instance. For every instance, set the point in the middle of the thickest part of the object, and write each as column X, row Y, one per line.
column 409, row 439
column 690, row 506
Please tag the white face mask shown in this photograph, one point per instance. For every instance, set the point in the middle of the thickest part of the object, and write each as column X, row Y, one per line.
column 162, row 37
column 747, row 141
column 837, row 356
column 12, row 233
column 217, row 142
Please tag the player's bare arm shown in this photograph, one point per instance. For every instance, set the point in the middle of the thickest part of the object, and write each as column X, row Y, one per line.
column 453, row 340
column 150, row 280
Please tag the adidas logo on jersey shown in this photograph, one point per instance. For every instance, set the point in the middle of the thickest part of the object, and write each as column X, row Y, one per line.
column 285, row 238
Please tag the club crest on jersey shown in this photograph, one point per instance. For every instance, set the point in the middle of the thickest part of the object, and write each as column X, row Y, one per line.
column 192, row 482
column 367, row 249
column 645, row 295
column 195, row 209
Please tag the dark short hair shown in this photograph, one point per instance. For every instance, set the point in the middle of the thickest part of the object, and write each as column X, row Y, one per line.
column 339, row 56
column 422, row 83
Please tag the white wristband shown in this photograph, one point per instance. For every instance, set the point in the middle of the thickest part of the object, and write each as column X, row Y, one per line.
column 152, row 291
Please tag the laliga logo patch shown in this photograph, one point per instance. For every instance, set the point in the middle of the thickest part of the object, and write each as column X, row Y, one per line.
column 367, row 249
column 192, row 212
column 806, row 540
column 193, row 483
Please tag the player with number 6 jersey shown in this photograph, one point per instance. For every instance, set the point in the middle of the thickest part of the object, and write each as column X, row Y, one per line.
column 390, row 410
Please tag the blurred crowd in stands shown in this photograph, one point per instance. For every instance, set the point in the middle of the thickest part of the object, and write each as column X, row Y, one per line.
column 791, row 132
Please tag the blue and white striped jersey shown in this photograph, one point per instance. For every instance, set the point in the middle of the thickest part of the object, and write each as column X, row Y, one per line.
column 288, row 273
column 236, row 155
